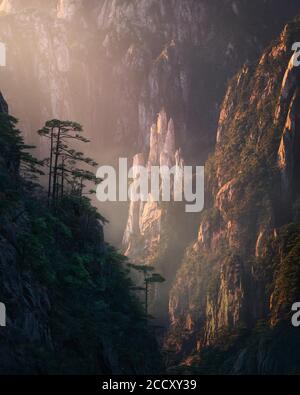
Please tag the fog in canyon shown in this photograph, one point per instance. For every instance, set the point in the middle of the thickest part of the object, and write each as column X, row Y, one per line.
column 112, row 65
column 147, row 80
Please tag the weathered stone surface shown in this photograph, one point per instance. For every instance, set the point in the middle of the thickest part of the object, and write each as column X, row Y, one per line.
column 144, row 226
column 221, row 283
column 113, row 64
column 288, row 160
column 153, row 227
column 27, row 302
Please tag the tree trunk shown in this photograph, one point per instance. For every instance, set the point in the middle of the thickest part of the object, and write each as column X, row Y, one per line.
column 55, row 166
column 50, row 166
column 62, row 177
column 146, row 297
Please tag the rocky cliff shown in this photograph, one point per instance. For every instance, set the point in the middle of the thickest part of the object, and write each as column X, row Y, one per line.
column 112, row 65
column 27, row 301
column 68, row 301
column 142, row 234
column 241, row 275
column 157, row 232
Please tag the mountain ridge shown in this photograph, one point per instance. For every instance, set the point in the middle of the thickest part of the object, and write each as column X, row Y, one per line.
column 241, row 271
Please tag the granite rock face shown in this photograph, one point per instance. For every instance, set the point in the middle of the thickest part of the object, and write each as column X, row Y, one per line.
column 288, row 107
column 147, row 235
column 27, row 302
column 226, row 279
column 145, row 218
column 40, row 286
column 112, row 65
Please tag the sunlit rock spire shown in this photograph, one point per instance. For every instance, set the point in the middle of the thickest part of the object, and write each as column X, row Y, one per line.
column 66, row 9
column 169, row 146
column 132, row 228
column 142, row 234
column 6, row 6
column 162, row 127
column 153, row 153
column 167, row 155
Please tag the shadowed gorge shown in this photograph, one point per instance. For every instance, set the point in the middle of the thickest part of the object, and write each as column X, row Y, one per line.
column 112, row 65
column 234, row 291
column 171, row 83
column 67, row 293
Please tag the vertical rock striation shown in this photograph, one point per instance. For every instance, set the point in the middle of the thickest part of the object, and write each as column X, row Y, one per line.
column 142, row 236
column 27, row 301
column 153, row 234
column 240, row 270
column 57, row 278
column 112, row 65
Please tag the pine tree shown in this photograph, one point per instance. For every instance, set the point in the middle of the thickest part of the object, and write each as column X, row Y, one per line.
column 149, row 278
column 15, row 152
column 63, row 159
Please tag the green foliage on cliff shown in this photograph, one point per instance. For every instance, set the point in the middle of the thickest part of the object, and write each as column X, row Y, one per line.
column 245, row 266
column 14, row 159
column 286, row 280
column 96, row 324
column 260, row 350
